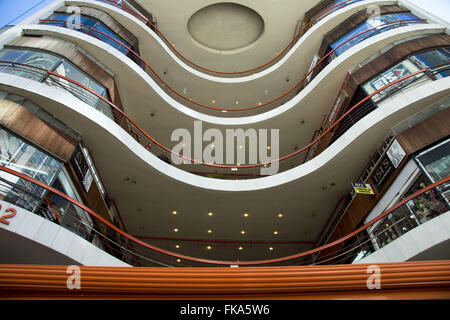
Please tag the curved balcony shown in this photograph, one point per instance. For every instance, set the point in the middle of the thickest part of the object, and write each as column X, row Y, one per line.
column 222, row 171
column 69, row 214
column 324, row 13
column 245, row 114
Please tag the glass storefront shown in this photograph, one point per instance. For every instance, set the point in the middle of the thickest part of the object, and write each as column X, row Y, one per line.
column 59, row 65
column 384, row 22
column 23, row 157
column 435, row 163
column 94, row 24
column 412, row 64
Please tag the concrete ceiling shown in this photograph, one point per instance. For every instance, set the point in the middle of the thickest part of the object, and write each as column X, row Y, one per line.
column 280, row 22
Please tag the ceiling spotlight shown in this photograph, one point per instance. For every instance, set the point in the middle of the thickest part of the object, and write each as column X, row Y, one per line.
column 133, row 182
column 275, row 232
column 240, row 248
column 246, row 215
column 237, row 101
column 260, row 103
column 174, row 212
column 178, row 260
column 210, row 214
column 177, row 246
column 209, row 231
column 213, row 101
column 268, row 147
column 175, row 230
column 280, row 215
column 208, row 248
column 271, row 248
column 243, row 232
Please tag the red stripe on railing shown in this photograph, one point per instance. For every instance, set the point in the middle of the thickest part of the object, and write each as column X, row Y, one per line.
column 218, row 262
column 189, row 100
column 232, row 166
column 299, row 35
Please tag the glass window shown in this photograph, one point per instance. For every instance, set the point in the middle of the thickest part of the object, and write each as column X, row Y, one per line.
column 433, row 58
column 393, row 74
column 108, row 40
column 28, row 57
column 21, row 156
column 341, row 45
column 60, row 66
column 95, row 24
column 436, row 161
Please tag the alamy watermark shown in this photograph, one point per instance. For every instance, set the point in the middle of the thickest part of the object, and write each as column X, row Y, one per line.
column 74, row 279
column 374, row 280
column 240, row 147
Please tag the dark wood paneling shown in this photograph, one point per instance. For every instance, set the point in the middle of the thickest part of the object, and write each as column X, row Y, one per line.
column 317, row 9
column 27, row 125
column 426, row 133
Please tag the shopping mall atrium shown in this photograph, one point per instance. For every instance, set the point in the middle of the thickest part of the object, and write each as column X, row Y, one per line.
column 236, row 148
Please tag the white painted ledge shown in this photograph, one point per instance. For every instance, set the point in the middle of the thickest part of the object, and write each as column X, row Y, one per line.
column 51, row 240
column 411, row 245
column 74, row 112
column 336, row 69
column 317, row 31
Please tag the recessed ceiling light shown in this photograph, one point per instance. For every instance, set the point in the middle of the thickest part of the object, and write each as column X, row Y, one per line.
column 178, row 260
column 210, row 214
column 240, row 147
column 260, row 103
column 237, row 101
column 271, row 248
column 208, row 247
column 240, row 248
column 174, row 212
column 243, row 232
column 209, row 231
column 246, row 214
column 268, row 148
column 275, row 232
column 177, row 246
column 213, row 101
column 280, row 215
column 175, row 230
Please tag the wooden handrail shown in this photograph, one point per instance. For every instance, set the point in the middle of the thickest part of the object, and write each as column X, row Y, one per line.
column 409, row 280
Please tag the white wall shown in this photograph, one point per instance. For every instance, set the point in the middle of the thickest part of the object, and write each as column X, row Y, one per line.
column 54, row 243
column 430, row 241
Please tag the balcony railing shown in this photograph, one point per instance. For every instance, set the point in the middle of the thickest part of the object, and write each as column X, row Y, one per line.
column 221, row 171
column 232, row 111
column 69, row 213
column 324, row 13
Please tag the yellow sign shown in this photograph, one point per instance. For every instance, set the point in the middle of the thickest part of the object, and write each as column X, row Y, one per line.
column 363, row 188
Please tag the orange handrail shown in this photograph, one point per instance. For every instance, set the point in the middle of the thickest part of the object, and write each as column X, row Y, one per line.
column 278, row 56
column 219, row 262
column 259, row 105
column 399, row 281
column 336, row 123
